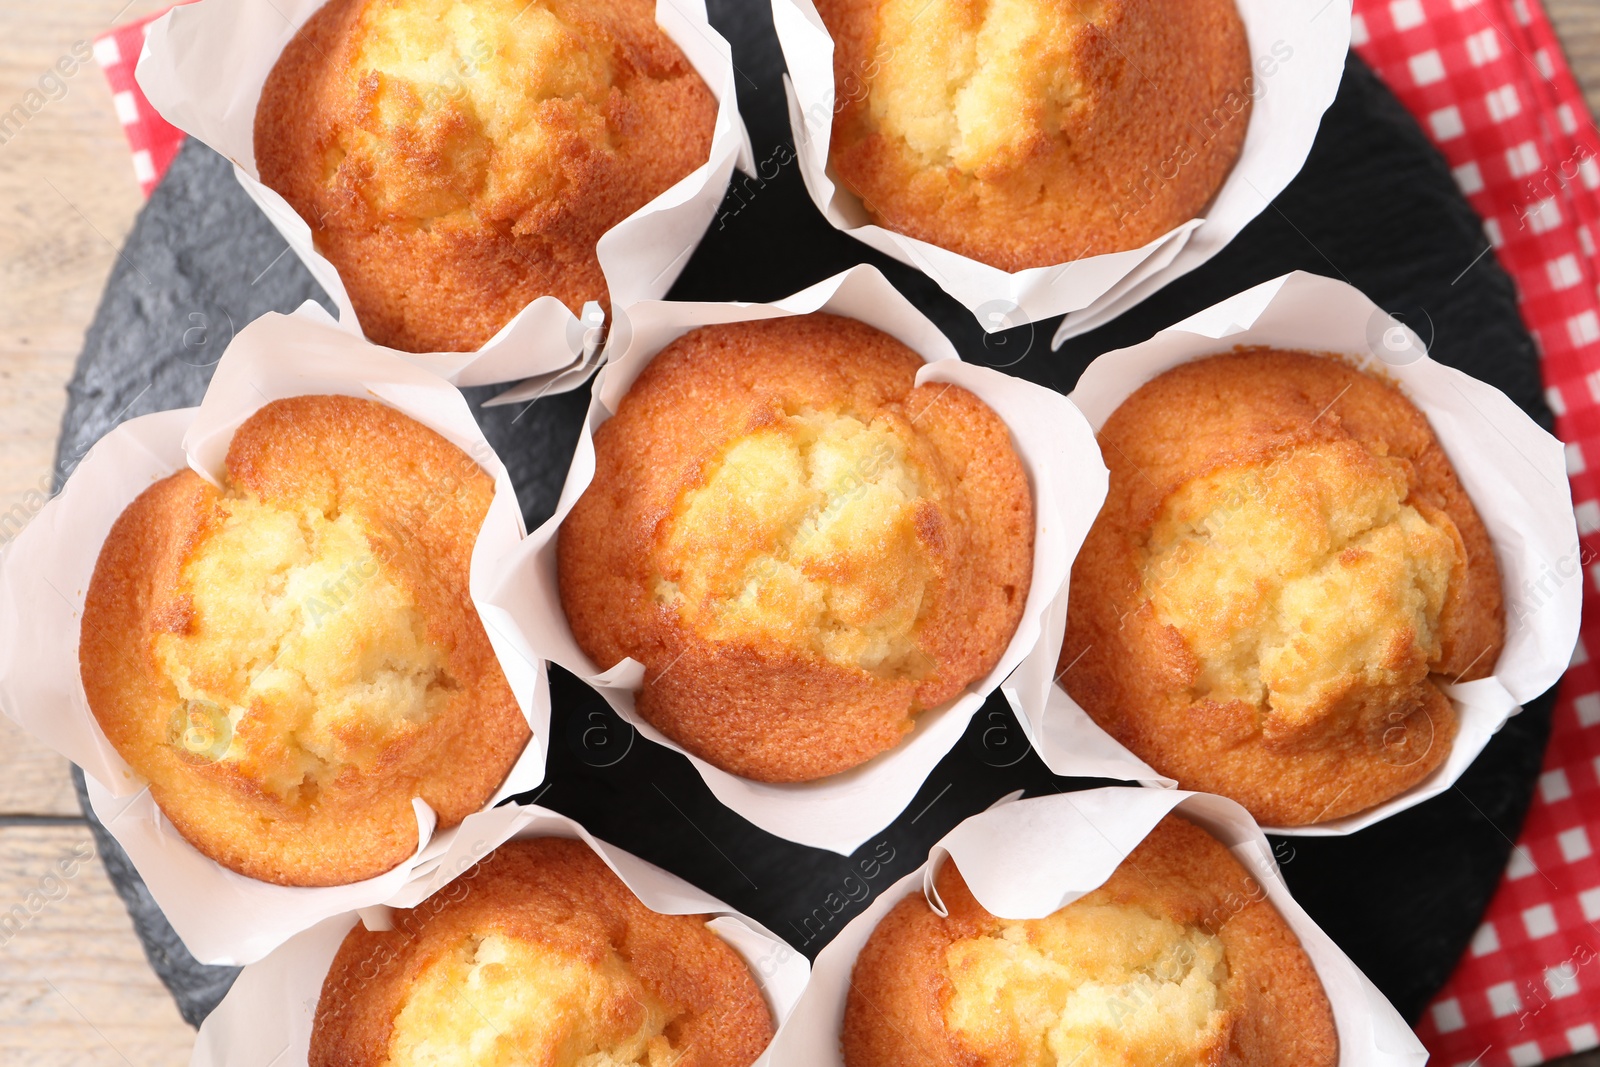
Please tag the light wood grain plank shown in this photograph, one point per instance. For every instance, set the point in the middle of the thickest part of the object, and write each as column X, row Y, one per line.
column 75, row 986
column 67, row 200
column 33, row 779
column 1578, row 23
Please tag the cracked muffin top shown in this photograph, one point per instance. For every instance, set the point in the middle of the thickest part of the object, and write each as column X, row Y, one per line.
column 293, row 657
column 1285, row 573
column 803, row 547
column 1179, row 958
column 539, row 955
column 1025, row 133
column 456, row 161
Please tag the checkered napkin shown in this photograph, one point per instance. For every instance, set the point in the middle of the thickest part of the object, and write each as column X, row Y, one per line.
column 1487, row 80
column 154, row 142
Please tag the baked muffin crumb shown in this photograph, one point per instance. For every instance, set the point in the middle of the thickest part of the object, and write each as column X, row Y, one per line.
column 803, row 547
column 1178, row 958
column 540, row 954
column 1026, row 133
column 1286, row 573
column 456, row 161
column 291, row 658
column 1066, row 987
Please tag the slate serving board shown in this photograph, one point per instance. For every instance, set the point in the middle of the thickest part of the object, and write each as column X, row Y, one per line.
column 1375, row 205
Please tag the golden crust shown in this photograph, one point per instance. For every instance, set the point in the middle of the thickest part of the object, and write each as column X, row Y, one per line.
column 802, row 547
column 455, row 162
column 1023, row 135
column 580, row 967
column 290, row 661
column 1270, row 1009
column 1285, row 571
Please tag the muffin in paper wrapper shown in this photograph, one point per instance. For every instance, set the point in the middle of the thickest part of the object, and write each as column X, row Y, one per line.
column 1024, row 859
column 1513, row 471
column 266, row 1018
column 203, row 68
column 1065, row 473
column 1297, row 50
column 224, row 917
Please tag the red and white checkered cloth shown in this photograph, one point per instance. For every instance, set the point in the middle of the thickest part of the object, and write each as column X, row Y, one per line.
column 153, row 140
column 1487, row 80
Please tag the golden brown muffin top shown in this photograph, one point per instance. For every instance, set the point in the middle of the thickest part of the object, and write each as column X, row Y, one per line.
column 1024, row 133
column 458, row 160
column 1285, row 572
column 802, row 546
column 539, row 955
column 1178, row 958
column 292, row 658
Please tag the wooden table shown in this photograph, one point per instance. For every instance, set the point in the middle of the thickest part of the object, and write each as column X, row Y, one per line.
column 1579, row 24
column 74, row 983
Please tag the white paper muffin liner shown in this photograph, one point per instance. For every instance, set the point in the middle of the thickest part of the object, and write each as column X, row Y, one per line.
column 1514, row 472
column 1298, row 49
column 203, row 67
column 1065, row 472
column 224, row 917
column 1025, row 859
column 266, row 1018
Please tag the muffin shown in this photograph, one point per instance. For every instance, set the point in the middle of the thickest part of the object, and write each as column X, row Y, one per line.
column 540, row 955
column 1285, row 574
column 455, row 161
column 1179, row 958
column 290, row 658
column 1026, row 133
column 804, row 548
